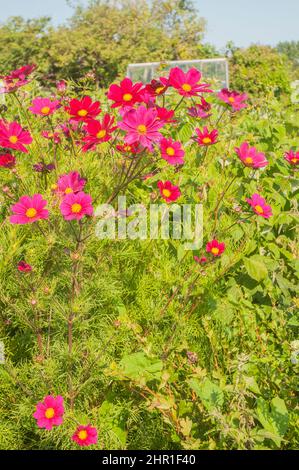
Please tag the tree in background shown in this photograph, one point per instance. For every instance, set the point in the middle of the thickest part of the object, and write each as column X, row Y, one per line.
column 259, row 70
column 105, row 37
column 24, row 41
column 291, row 50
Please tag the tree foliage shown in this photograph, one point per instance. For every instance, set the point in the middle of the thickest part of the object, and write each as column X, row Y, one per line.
column 259, row 70
column 105, row 37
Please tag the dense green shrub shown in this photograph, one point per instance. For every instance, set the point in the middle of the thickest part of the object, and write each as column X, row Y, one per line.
column 260, row 70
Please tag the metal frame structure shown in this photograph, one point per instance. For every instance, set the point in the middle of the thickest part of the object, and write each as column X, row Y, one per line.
column 184, row 64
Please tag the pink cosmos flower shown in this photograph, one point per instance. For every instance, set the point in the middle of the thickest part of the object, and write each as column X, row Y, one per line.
column 156, row 88
column 76, row 205
column 16, row 78
column 259, row 205
column 29, row 209
column 206, row 137
column 24, row 267
column 165, row 115
column 172, row 151
column 187, row 84
column 49, row 135
column 7, row 160
column 126, row 94
column 168, row 191
column 292, row 157
column 250, row 156
column 201, row 260
column 61, row 85
column 70, row 183
column 84, row 109
column 12, row 135
column 49, row 412
column 98, row 132
column 145, row 97
column 44, row 106
column 200, row 110
column 142, row 126
column 233, row 98
column 85, row 435
column 132, row 149
column 215, row 248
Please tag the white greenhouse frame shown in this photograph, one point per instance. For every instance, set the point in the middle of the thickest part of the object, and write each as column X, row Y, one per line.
column 150, row 68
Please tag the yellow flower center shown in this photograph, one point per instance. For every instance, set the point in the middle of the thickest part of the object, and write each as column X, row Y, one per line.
column 166, row 192
column 13, row 139
column 206, row 140
column 54, row 186
column 186, row 87
column 259, row 209
column 127, row 148
column 127, row 97
column 231, row 99
column 170, row 151
column 82, row 435
column 45, row 110
column 248, row 160
column 215, row 250
column 50, row 412
column 159, row 90
column 82, row 112
column 141, row 129
column 101, row 134
column 294, row 160
column 76, row 208
column 31, row 212
column 68, row 191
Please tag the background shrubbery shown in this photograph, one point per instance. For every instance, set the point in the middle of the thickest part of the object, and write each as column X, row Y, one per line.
column 108, row 35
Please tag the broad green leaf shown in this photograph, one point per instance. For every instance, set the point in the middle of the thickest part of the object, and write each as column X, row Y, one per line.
column 138, row 366
column 256, row 269
column 274, row 420
column 210, row 394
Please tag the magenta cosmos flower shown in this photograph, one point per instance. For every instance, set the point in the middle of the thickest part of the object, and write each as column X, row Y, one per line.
column 76, row 205
column 24, row 267
column 156, row 88
column 200, row 110
column 16, row 78
column 125, row 94
column 233, row 98
column 142, row 126
column 172, row 151
column 201, row 260
column 187, row 84
column 13, row 136
column 85, row 435
column 84, row 109
column 292, row 157
column 165, row 115
column 7, row 160
column 49, row 412
column 250, row 156
column 44, row 106
column 215, row 247
column 259, row 205
column 168, row 191
column 98, row 132
column 206, row 137
column 70, row 183
column 29, row 209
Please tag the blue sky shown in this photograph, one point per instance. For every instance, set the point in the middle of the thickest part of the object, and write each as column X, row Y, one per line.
column 243, row 21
